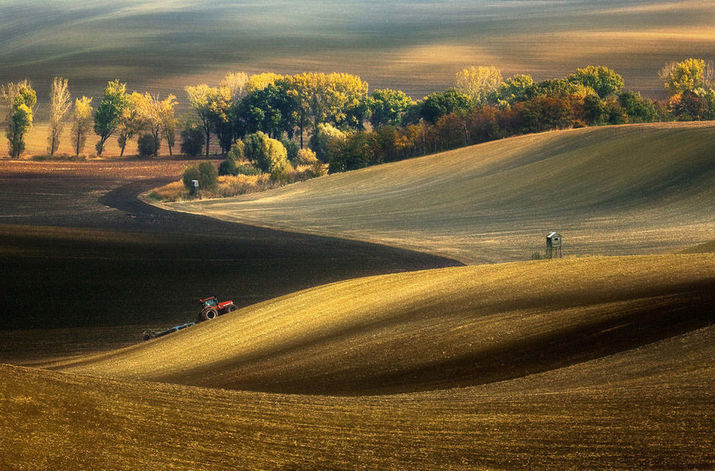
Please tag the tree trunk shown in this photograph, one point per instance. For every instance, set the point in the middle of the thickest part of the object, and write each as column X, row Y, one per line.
column 208, row 141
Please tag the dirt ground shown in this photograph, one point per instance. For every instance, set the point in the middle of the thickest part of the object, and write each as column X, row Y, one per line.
column 79, row 251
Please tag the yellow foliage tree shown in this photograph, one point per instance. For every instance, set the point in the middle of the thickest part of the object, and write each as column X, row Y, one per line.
column 478, row 82
column 81, row 123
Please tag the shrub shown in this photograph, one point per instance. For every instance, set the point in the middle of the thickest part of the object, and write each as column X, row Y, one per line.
column 306, row 157
column 237, row 152
column 291, row 149
column 265, row 153
column 248, row 170
column 205, row 173
column 228, row 167
column 537, row 256
column 192, row 139
column 148, row 146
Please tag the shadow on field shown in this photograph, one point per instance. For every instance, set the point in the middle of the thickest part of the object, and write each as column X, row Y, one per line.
column 89, row 258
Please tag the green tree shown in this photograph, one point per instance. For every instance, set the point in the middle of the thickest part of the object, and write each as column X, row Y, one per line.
column 387, row 107
column 109, row 112
column 81, row 123
column 20, row 100
column 147, row 145
column 515, row 89
column 602, row 80
column 478, row 82
column 192, row 139
column 439, row 104
column 638, row 109
column 60, row 104
column 265, row 153
column 691, row 75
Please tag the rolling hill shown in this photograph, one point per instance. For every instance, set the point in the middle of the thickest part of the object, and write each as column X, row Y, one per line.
column 432, row 329
column 609, row 190
column 587, row 363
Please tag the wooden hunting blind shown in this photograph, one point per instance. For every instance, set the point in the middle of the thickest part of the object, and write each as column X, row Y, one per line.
column 553, row 245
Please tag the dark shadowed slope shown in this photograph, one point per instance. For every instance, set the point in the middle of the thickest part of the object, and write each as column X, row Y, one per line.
column 77, row 249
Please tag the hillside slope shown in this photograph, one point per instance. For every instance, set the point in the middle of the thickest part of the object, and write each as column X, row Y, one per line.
column 610, row 190
column 646, row 407
column 433, row 329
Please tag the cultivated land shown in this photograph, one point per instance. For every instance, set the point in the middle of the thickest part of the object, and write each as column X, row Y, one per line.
column 610, row 190
column 579, row 363
column 78, row 250
column 609, row 369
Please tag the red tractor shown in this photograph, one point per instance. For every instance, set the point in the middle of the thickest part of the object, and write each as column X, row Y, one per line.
column 211, row 308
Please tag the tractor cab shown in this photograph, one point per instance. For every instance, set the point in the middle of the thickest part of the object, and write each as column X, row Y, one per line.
column 209, row 302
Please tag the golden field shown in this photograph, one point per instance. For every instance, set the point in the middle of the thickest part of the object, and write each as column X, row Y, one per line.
column 494, row 367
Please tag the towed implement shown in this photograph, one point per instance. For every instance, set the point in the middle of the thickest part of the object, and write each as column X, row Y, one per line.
column 210, row 309
column 152, row 334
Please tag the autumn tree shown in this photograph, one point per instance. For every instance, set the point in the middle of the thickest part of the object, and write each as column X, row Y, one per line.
column 109, row 112
column 387, row 107
column 478, row 82
column 157, row 117
column 132, row 120
column 81, row 123
column 212, row 106
column 237, row 85
column 20, row 100
column 691, row 75
column 260, row 81
column 60, row 104
column 167, row 119
column 602, row 80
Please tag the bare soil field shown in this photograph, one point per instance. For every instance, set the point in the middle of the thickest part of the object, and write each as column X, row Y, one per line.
column 612, row 190
column 75, row 237
column 352, row 355
column 615, row 379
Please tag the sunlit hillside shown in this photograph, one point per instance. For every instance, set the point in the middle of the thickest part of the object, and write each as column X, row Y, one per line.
column 608, row 190
column 432, row 329
column 595, row 363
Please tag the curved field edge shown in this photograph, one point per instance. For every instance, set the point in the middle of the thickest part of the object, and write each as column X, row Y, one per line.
column 612, row 190
column 648, row 407
column 430, row 330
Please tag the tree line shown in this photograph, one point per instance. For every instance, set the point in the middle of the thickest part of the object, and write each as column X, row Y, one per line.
column 347, row 126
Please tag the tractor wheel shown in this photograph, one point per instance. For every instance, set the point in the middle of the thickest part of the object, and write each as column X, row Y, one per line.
column 209, row 314
column 232, row 308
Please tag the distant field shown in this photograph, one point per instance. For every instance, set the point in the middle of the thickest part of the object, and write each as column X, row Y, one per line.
column 609, row 190
column 604, row 363
column 162, row 46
